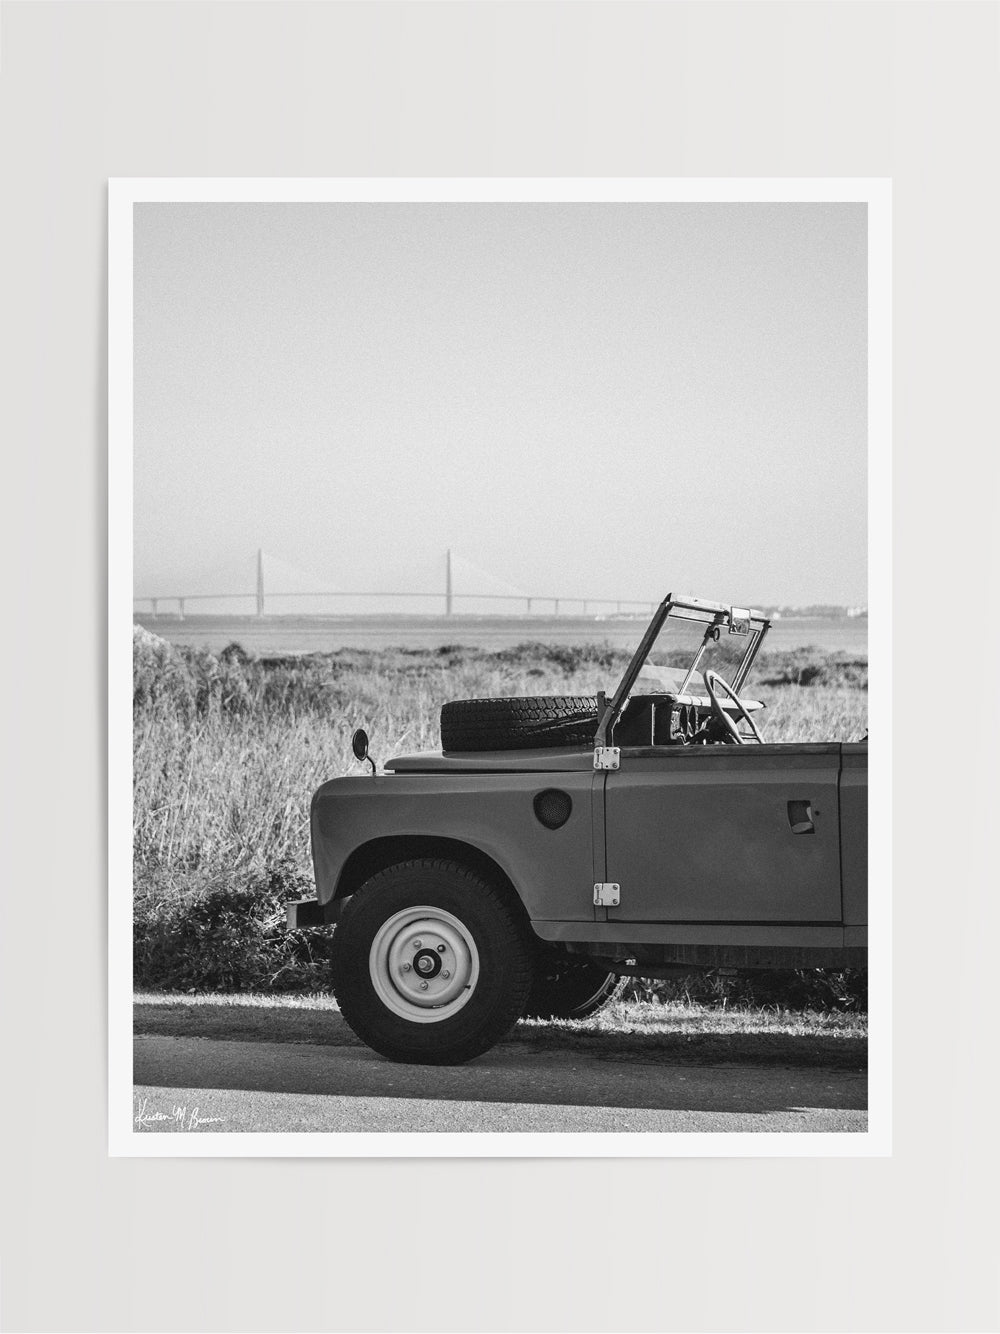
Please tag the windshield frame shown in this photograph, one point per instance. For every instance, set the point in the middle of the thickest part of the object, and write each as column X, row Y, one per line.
column 714, row 616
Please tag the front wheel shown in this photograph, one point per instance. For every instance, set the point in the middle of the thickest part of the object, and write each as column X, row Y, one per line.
column 432, row 963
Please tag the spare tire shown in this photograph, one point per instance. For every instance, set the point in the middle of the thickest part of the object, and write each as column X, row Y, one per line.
column 519, row 724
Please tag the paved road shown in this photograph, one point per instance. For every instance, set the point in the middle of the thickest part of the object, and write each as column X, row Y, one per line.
column 181, row 1082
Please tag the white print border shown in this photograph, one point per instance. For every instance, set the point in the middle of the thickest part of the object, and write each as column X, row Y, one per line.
column 124, row 1138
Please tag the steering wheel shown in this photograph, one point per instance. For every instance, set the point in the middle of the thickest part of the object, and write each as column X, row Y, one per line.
column 712, row 681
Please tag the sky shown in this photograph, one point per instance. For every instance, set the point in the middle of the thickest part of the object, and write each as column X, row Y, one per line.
column 604, row 400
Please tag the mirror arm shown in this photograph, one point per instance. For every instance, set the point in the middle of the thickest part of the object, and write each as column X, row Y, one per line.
column 359, row 745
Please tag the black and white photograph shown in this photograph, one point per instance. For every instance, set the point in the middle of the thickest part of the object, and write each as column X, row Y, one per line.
column 500, row 555
column 500, row 648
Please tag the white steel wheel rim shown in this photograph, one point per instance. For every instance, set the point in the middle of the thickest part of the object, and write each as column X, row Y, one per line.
column 424, row 964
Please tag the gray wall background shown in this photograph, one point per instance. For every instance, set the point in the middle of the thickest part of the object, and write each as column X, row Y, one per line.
column 90, row 91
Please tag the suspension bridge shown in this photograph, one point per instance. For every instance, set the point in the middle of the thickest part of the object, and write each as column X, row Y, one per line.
column 503, row 599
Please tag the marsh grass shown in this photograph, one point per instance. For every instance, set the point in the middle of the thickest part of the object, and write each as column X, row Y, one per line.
column 228, row 750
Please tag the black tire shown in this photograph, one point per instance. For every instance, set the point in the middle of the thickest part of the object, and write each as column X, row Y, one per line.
column 519, row 724
column 375, row 939
column 567, row 989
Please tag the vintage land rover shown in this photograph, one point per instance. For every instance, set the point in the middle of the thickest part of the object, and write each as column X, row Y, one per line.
column 557, row 845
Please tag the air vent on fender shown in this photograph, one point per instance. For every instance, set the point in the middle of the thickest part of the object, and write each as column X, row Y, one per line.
column 553, row 807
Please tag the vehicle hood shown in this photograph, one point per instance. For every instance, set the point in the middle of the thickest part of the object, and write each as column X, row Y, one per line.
column 548, row 760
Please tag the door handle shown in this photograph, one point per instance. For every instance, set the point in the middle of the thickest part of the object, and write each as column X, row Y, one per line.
column 800, row 817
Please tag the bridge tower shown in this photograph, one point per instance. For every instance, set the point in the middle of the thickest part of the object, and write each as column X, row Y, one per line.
column 260, row 582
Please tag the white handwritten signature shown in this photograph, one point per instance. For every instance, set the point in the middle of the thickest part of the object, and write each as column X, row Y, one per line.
column 179, row 1115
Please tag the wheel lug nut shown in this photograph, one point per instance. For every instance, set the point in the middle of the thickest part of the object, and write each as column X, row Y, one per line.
column 423, row 986
column 406, row 967
column 416, row 944
column 446, row 973
column 440, row 949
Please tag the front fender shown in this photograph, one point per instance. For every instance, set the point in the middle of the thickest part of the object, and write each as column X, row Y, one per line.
column 552, row 870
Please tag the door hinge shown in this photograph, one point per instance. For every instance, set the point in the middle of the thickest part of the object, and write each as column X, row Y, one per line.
column 607, row 895
column 606, row 757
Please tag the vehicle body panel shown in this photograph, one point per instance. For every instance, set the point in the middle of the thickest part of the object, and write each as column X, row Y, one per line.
column 550, row 760
column 552, row 869
column 699, row 838
column 854, row 832
column 703, row 834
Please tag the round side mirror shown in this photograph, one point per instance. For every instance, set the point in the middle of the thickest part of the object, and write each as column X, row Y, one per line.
column 359, row 744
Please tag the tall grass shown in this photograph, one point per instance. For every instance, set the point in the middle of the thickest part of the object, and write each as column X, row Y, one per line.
column 228, row 750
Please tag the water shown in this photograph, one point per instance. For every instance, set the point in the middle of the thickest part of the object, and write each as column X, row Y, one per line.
column 310, row 634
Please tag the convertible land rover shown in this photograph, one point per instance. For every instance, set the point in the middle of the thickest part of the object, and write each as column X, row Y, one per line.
column 558, row 845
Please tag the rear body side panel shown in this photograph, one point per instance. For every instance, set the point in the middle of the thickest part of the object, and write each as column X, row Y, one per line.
column 854, row 834
column 705, row 834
